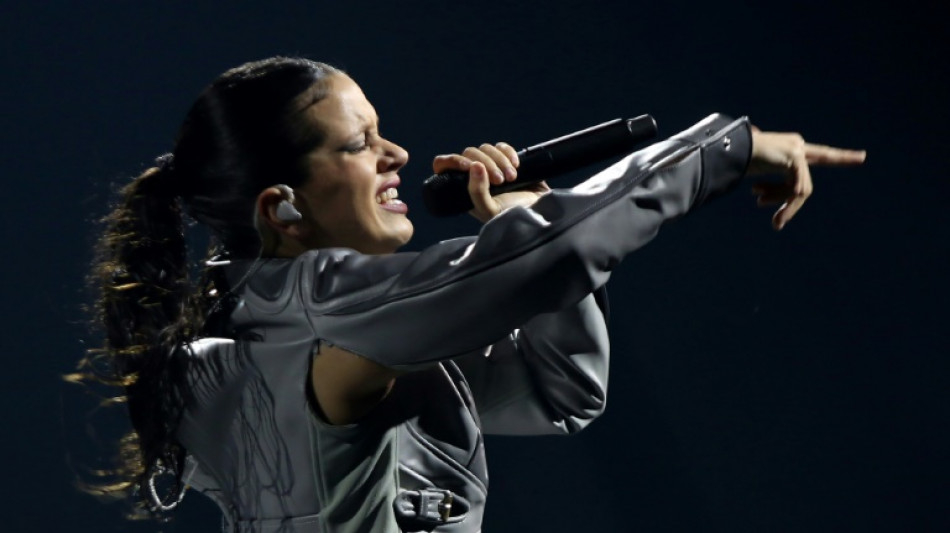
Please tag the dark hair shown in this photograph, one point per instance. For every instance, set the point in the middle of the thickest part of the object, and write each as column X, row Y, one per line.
column 243, row 134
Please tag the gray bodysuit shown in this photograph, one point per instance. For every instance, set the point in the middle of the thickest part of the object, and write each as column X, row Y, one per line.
column 503, row 333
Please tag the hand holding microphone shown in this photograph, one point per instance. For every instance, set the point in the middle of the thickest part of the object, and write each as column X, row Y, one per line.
column 476, row 174
column 450, row 191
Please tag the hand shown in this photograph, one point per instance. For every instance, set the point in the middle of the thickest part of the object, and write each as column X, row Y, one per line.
column 490, row 165
column 790, row 155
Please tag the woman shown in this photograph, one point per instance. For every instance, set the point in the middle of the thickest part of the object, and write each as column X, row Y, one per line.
column 319, row 381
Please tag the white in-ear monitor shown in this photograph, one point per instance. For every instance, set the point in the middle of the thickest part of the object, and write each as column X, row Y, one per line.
column 286, row 212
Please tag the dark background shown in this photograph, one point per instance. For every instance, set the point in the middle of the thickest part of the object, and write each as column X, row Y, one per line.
column 761, row 382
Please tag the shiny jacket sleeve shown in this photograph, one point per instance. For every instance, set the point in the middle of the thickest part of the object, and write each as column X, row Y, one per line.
column 547, row 377
column 416, row 308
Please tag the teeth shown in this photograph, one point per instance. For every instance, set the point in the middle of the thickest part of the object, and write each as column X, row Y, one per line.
column 387, row 196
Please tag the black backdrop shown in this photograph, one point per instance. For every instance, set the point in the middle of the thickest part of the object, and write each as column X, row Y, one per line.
column 761, row 382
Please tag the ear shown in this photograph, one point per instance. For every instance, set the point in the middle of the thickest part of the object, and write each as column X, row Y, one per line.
column 267, row 216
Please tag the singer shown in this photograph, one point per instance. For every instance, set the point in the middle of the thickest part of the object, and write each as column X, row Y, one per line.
column 315, row 379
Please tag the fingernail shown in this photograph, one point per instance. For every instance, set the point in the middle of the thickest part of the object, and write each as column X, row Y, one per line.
column 465, row 164
column 499, row 175
column 510, row 173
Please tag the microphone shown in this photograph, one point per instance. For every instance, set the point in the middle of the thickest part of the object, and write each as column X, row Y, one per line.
column 446, row 194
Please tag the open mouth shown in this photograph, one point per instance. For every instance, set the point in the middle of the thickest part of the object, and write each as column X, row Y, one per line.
column 387, row 196
column 389, row 200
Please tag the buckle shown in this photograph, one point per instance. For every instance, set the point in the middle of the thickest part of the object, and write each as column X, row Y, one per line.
column 445, row 506
column 429, row 506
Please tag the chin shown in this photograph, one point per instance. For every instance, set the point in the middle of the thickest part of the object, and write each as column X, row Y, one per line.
column 402, row 239
column 390, row 242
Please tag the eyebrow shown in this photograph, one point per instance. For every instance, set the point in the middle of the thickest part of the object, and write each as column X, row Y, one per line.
column 365, row 121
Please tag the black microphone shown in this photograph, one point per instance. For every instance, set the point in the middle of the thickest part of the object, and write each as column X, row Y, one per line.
column 446, row 194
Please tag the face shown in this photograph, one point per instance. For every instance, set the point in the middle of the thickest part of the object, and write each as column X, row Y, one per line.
column 349, row 199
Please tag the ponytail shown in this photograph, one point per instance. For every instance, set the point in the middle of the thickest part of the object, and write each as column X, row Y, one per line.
column 146, row 310
column 248, row 126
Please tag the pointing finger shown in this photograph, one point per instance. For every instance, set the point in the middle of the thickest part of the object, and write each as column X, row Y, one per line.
column 819, row 154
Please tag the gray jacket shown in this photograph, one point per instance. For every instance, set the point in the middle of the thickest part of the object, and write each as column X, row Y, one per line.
column 504, row 333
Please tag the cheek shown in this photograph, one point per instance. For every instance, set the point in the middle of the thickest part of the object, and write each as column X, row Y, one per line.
column 347, row 208
column 351, row 187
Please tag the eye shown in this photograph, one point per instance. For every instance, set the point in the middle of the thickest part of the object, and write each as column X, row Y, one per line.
column 362, row 145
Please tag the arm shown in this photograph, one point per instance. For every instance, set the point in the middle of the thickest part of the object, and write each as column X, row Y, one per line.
column 549, row 377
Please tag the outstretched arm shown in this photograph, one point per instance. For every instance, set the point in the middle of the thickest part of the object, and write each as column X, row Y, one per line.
column 785, row 154
column 393, row 312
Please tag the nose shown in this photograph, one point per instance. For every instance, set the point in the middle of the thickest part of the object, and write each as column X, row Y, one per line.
column 393, row 158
